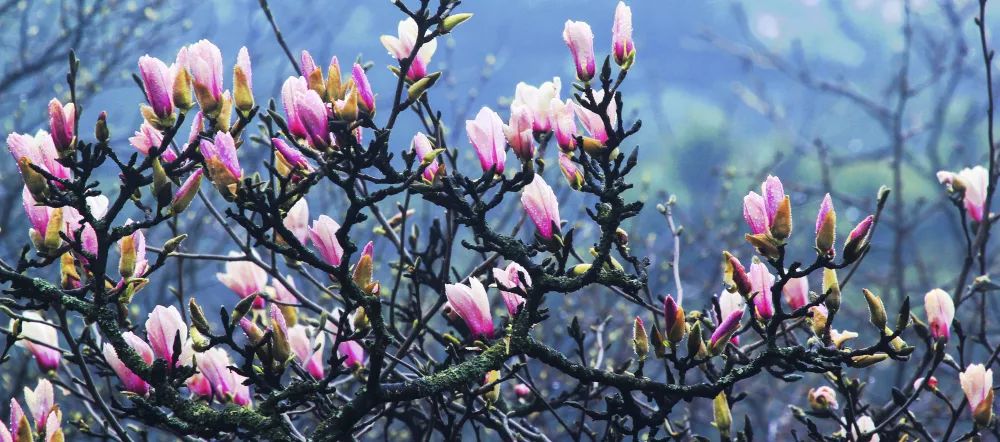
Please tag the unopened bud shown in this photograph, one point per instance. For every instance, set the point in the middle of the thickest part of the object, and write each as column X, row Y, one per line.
column 659, row 345
column 640, row 341
column 198, row 318
column 723, row 417
column 451, row 21
column 182, row 90
column 868, row 360
column 876, row 311
column 781, row 229
column 417, row 89
column 161, row 184
column 831, row 287
column 101, row 132
column 492, row 395
column 174, row 243
column 242, row 308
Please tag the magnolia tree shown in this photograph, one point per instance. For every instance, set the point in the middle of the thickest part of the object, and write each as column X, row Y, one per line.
column 327, row 341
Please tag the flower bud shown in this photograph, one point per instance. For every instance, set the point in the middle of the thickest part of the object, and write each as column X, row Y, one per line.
column 242, row 88
column 453, row 20
column 675, row 324
column 695, row 342
column 659, row 346
column 781, row 229
column 723, row 417
column 242, row 308
column 186, row 193
column 826, row 227
column 174, row 243
column 640, row 341
column 764, row 245
column 492, row 395
column 101, row 132
column 161, row 184
column 181, row 92
column 199, row 342
column 863, row 361
column 198, row 319
column 735, row 275
column 823, row 398
column 580, row 269
column 831, row 287
column 417, row 89
column 876, row 310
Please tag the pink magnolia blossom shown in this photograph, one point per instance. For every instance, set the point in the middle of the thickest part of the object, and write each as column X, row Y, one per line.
column 243, row 81
column 293, row 156
column 220, row 157
column 46, row 222
column 486, row 133
column 730, row 302
column 580, row 40
column 542, row 206
column 974, row 182
column 514, row 276
column 759, row 210
column 538, row 102
column 244, row 278
column 98, row 206
column 563, row 122
column 472, row 305
column 308, row 352
column 297, row 221
column 312, row 115
column 40, row 150
column 622, row 46
column 292, row 90
column 570, row 170
column 323, row 235
column 364, row 88
column 163, row 326
column 593, row 122
column 186, row 192
column 149, row 138
column 62, row 121
column 940, row 312
column 977, row 384
column 402, row 47
column 519, row 132
column 204, row 61
column 761, row 280
column 41, row 340
column 728, row 326
column 131, row 381
column 226, row 385
column 796, row 292
column 422, row 147
column 158, row 82
column 40, row 402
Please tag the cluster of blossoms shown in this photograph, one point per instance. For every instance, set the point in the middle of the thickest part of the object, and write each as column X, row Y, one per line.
column 320, row 132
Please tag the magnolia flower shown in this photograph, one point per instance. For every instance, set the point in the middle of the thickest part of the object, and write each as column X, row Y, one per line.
column 593, row 122
column 977, row 383
column 725, row 330
column 149, row 138
column 243, row 81
column 730, row 302
column 46, row 222
column 62, row 123
column 244, row 278
column 41, row 339
column 132, row 262
column 186, row 193
column 308, row 352
column 312, row 115
column 323, row 234
column 519, row 132
column 572, row 173
column 163, row 326
column 158, row 83
column 226, row 385
column 364, row 89
column 538, row 102
column 221, row 161
column 823, row 398
column 973, row 182
column 940, row 312
column 472, row 305
column 826, row 225
column 291, row 156
column 402, row 47
column 351, row 351
column 40, row 402
column 542, row 207
column 38, row 150
column 759, row 210
column 292, row 90
column 580, row 40
column 98, row 206
column 622, row 46
column 204, row 61
column 796, row 292
column 514, row 276
column 486, row 133
column 563, row 122
column 297, row 221
column 674, row 325
column 761, row 280
column 131, row 381
column 422, row 147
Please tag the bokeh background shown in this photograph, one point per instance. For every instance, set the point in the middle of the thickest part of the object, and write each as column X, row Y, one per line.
column 838, row 96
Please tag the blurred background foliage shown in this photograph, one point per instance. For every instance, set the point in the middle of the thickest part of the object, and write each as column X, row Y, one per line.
column 836, row 96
